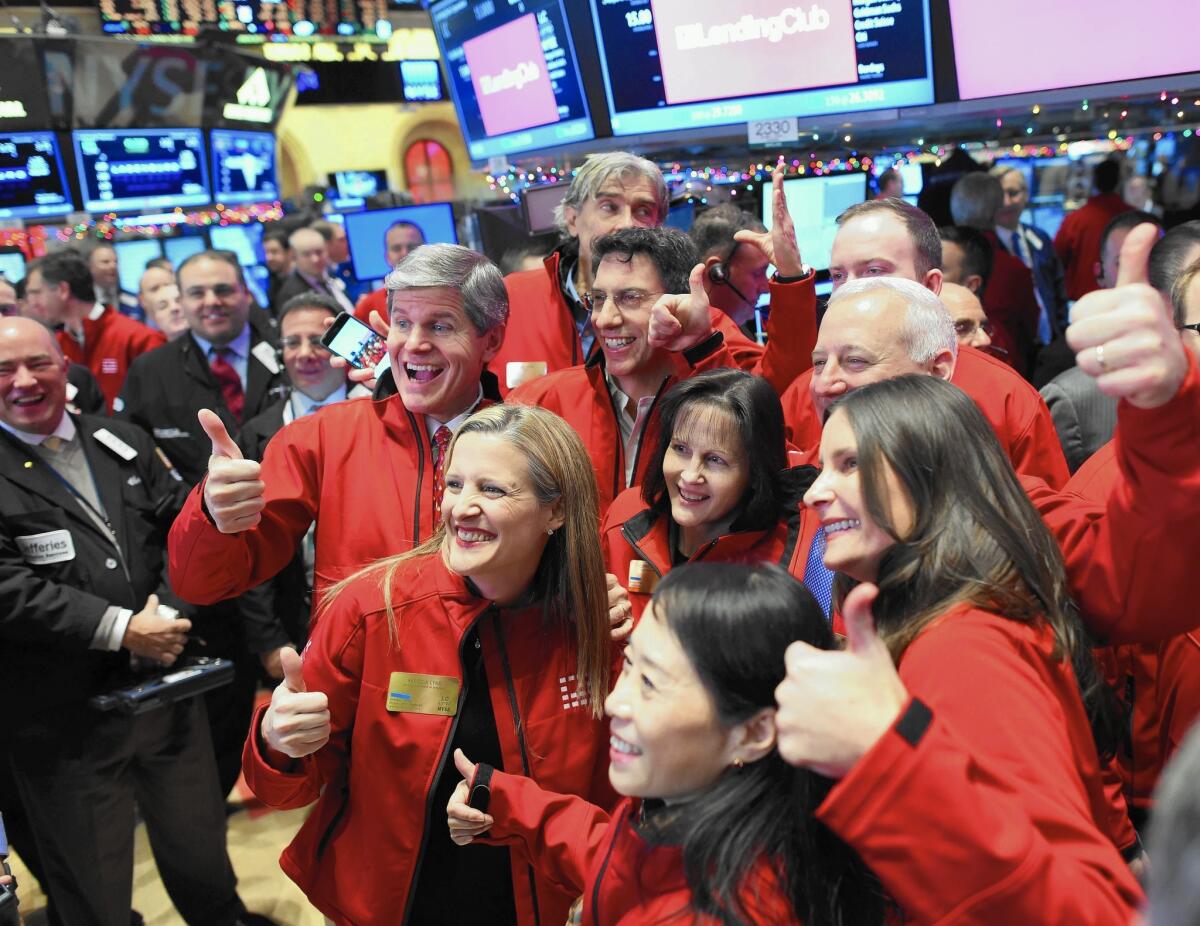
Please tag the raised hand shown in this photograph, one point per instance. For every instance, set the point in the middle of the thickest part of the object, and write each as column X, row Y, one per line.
column 779, row 245
column 620, row 611
column 297, row 723
column 233, row 491
column 834, row 706
column 464, row 820
column 354, row 374
column 678, row 322
column 1125, row 337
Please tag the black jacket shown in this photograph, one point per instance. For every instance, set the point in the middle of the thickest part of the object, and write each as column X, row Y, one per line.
column 167, row 386
column 292, row 285
column 49, row 611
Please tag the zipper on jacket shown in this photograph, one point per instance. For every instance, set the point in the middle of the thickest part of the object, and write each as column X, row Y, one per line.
column 600, row 873
column 323, row 842
column 420, row 478
column 441, row 766
column 642, row 555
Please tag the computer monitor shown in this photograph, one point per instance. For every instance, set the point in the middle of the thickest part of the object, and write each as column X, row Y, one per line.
column 127, row 170
column 180, row 249
column 513, row 74
column 132, row 257
column 33, row 184
column 243, row 240
column 539, row 204
column 814, row 204
column 243, row 166
column 358, row 184
column 12, row 264
column 422, row 81
column 365, row 234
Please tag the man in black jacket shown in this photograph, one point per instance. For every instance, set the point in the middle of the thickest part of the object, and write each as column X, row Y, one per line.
column 84, row 508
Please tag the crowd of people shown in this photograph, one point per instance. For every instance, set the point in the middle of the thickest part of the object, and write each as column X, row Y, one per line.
column 606, row 602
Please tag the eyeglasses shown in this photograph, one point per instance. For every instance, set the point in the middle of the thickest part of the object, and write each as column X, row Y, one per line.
column 295, row 341
column 222, row 291
column 965, row 327
column 627, row 300
column 1194, row 328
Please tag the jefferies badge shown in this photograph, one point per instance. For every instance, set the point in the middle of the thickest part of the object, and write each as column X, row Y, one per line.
column 410, row 693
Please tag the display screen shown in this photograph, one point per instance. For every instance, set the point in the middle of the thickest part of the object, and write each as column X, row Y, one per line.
column 513, row 74
column 243, row 240
column 422, row 81
column 243, row 166
column 540, row 203
column 132, row 257
column 24, row 102
column 12, row 266
column 180, row 249
column 33, row 183
column 814, row 204
column 670, row 65
column 123, row 171
column 295, row 17
column 358, row 184
column 365, row 231
column 1001, row 54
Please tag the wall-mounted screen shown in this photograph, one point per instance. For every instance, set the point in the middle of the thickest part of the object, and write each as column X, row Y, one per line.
column 513, row 74
column 540, row 204
column 12, row 264
column 23, row 86
column 128, row 170
column 132, row 257
column 814, row 204
column 984, row 44
column 33, row 184
column 243, row 240
column 180, row 249
column 243, row 166
column 672, row 65
column 358, row 184
column 422, row 80
column 125, row 85
column 432, row 223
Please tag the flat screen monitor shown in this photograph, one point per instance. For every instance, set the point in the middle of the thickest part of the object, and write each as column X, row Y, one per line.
column 814, row 204
column 984, row 43
column 33, row 184
column 12, row 265
column 128, row 170
column 513, row 75
column 670, row 65
column 243, row 240
column 180, row 249
column 358, row 184
column 432, row 223
column 132, row 257
column 539, row 204
column 243, row 166
column 422, row 81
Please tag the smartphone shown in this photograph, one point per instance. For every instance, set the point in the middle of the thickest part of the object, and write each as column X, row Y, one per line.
column 357, row 344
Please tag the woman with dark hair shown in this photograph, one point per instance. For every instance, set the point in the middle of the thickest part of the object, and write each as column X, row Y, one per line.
column 983, row 751
column 716, row 827
column 717, row 487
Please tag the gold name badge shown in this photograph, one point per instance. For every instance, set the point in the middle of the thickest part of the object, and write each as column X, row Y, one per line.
column 409, row 693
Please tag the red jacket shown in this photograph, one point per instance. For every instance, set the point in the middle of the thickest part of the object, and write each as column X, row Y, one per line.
column 110, row 344
column 542, row 329
column 356, row 854
column 362, row 469
column 1014, row 409
column 624, row 880
column 375, row 300
column 1011, row 305
column 996, row 813
column 1078, row 241
column 633, row 533
column 1178, row 691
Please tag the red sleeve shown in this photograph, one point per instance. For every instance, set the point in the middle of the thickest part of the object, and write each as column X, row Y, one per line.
column 207, row 566
column 1178, row 691
column 560, row 835
column 1037, row 450
column 333, row 662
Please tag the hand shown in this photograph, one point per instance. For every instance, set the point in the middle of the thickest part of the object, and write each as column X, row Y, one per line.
column 1125, row 337
column 834, row 706
column 620, row 611
column 678, row 322
column 233, row 491
column 354, row 374
column 152, row 636
column 272, row 663
column 779, row 245
column 465, row 821
column 297, row 722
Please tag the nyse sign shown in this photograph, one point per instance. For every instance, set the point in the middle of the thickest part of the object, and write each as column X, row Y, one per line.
column 142, row 87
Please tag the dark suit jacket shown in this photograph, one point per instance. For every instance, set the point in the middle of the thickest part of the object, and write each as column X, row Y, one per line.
column 49, row 611
column 88, row 399
column 292, row 285
column 1048, row 277
column 1084, row 417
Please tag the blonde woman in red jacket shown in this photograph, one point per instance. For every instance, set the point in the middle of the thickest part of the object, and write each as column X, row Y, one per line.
column 492, row 635
column 969, row 774
column 716, row 828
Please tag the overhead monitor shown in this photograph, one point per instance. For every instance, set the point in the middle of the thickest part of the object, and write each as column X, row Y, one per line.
column 513, row 74
column 243, row 240
column 985, row 41
column 422, row 80
column 132, row 257
column 432, row 223
column 33, row 184
column 12, row 264
column 24, row 88
column 129, row 170
column 672, row 65
column 358, row 184
column 540, row 203
column 251, row 17
column 814, row 204
column 243, row 166
column 180, row 249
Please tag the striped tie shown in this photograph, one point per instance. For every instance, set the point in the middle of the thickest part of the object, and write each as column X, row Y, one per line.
column 817, row 578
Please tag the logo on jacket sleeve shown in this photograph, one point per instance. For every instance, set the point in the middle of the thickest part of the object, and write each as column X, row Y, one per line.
column 572, row 696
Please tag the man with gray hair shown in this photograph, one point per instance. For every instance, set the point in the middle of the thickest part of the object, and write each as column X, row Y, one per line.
column 1009, row 299
column 369, row 466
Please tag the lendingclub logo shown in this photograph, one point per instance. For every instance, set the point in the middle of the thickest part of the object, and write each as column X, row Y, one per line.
column 513, row 78
column 788, row 21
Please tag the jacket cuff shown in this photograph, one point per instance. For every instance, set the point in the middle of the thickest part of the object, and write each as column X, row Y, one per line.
column 1175, row 423
column 807, row 276
column 705, row 348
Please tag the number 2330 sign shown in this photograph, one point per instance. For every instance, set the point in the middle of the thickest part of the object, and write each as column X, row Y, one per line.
column 770, row 131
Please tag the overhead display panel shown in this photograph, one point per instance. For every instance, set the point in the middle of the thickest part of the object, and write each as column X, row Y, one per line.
column 125, row 85
column 263, row 17
column 513, row 73
column 670, row 65
column 33, row 184
column 132, row 170
column 243, row 166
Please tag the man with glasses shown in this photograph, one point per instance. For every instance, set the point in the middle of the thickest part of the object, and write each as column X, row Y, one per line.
column 971, row 325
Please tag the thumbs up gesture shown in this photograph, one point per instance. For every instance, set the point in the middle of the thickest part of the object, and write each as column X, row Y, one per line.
column 465, row 821
column 297, row 723
column 1125, row 336
column 233, row 492
column 678, row 322
column 834, row 706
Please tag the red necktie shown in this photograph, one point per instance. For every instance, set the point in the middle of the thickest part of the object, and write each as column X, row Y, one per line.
column 441, row 441
column 229, row 381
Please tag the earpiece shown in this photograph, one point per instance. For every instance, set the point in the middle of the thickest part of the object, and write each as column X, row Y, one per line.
column 719, row 273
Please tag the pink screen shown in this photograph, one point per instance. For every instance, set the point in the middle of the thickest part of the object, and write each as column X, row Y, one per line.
column 508, row 71
column 1022, row 46
column 714, row 49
